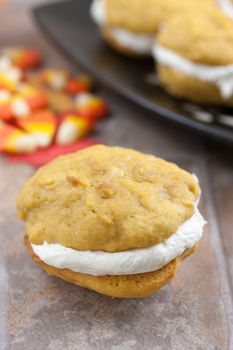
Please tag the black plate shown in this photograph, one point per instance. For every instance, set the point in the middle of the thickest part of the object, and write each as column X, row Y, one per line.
column 69, row 25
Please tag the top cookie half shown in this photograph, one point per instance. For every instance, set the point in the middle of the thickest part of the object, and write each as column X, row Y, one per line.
column 145, row 16
column 205, row 38
column 107, row 198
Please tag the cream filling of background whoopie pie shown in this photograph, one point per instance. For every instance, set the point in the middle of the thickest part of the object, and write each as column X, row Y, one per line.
column 221, row 76
column 226, row 6
column 134, row 261
column 139, row 43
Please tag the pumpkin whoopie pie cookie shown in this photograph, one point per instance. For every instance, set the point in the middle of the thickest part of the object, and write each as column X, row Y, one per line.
column 131, row 26
column 111, row 219
column 194, row 56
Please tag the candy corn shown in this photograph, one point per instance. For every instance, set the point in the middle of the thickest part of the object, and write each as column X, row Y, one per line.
column 19, row 107
column 55, row 78
column 24, row 58
column 10, row 77
column 78, row 84
column 14, row 140
column 59, row 101
column 43, row 156
column 5, row 105
column 26, row 100
column 5, row 62
column 41, row 125
column 14, row 107
column 52, row 109
column 5, row 95
column 33, row 96
column 90, row 106
column 71, row 129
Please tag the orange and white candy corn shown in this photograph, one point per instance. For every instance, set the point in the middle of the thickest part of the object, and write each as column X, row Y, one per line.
column 41, row 125
column 5, row 95
column 19, row 107
column 79, row 84
column 10, row 76
column 5, row 105
column 33, row 96
column 71, row 129
column 26, row 100
column 14, row 140
column 55, row 79
column 5, row 62
column 24, row 58
column 90, row 106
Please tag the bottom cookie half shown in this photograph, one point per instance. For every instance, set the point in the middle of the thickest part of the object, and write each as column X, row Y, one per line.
column 126, row 286
column 180, row 85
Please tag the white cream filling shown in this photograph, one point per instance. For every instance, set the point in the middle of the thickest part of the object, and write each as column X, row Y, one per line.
column 139, row 43
column 98, row 12
column 128, row 262
column 221, row 76
column 226, row 6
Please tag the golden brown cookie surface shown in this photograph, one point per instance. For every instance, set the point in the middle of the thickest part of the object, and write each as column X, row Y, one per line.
column 145, row 16
column 205, row 38
column 107, row 198
column 127, row 286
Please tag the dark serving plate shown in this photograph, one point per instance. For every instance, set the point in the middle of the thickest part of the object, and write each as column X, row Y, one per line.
column 69, row 25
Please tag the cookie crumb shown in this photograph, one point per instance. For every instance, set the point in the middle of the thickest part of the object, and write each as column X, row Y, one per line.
column 74, row 181
column 105, row 191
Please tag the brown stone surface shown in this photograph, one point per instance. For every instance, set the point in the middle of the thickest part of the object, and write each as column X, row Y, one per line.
column 38, row 312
